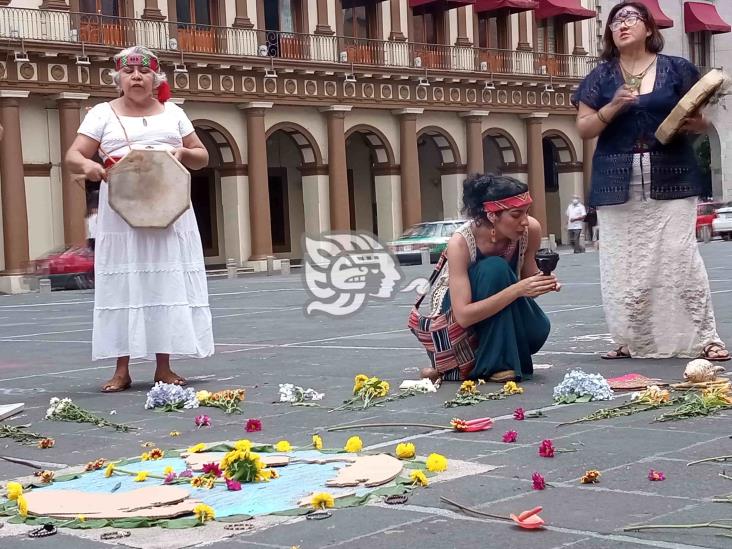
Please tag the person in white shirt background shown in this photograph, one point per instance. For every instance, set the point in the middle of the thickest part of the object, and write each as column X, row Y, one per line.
column 575, row 221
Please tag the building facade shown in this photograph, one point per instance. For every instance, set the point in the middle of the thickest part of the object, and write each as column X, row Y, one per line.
column 317, row 114
column 699, row 31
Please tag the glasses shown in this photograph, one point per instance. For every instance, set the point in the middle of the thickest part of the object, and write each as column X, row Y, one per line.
column 630, row 21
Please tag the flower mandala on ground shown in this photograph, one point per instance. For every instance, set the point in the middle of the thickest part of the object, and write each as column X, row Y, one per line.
column 654, row 475
column 202, row 421
column 171, row 397
column 418, row 477
column 141, row 476
column 46, row 443
column 519, row 414
column 15, row 490
column 67, row 410
column 203, row 513
column 591, row 477
column 405, row 450
column 512, row 388
column 578, row 386
column 233, row 485
column 510, row 436
column 436, row 463
column 244, row 465
column 227, row 400
column 353, row 445
column 283, row 446
column 253, row 426
column 322, row 500
column 317, row 442
column 538, row 482
column 546, row 449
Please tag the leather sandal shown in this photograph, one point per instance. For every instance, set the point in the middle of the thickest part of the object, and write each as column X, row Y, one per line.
column 715, row 348
column 503, row 376
column 620, row 354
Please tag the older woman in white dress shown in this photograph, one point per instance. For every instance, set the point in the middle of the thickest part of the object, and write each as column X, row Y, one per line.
column 151, row 297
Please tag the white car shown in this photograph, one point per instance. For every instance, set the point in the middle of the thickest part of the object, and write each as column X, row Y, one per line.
column 722, row 223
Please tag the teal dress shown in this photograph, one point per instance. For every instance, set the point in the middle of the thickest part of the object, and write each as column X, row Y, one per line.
column 507, row 339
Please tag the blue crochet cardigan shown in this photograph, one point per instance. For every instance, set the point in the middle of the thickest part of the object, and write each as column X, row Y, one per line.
column 674, row 169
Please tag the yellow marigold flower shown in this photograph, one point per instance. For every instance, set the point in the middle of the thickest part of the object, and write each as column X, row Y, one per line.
column 109, row 470
column 383, row 388
column 591, row 477
column 169, row 469
column 46, row 476
column 203, row 396
column 353, row 445
column 243, row 445
column 405, row 450
column 317, row 442
column 141, row 476
column 203, row 513
column 197, row 482
column 418, row 477
column 283, row 446
column 197, row 448
column 512, row 388
column 145, row 456
column 208, row 483
column 15, row 490
column 157, row 453
column 174, row 433
column 358, row 382
column 322, row 500
column 81, row 518
column 467, row 387
column 436, row 463
column 22, row 506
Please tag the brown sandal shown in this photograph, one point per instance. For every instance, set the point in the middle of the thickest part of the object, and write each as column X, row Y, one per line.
column 714, row 348
column 619, row 354
column 502, row 376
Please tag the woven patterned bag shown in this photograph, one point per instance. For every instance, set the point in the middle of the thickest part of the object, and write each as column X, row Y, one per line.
column 448, row 344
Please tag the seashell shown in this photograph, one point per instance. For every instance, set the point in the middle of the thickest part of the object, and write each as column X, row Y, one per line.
column 700, row 370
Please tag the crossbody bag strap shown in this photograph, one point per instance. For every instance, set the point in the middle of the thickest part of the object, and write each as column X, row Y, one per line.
column 438, row 269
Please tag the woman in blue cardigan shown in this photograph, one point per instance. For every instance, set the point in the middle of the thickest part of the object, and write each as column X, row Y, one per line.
column 655, row 288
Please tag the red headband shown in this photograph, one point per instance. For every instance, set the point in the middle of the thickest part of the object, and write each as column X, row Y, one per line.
column 137, row 60
column 518, row 201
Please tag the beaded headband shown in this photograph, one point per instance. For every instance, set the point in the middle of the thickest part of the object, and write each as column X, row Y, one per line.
column 137, row 60
column 518, row 201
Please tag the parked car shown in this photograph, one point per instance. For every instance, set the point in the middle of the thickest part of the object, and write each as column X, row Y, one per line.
column 722, row 223
column 705, row 214
column 68, row 268
column 431, row 235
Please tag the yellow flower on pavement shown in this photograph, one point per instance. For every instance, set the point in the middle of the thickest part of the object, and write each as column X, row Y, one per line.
column 81, row 518
column 203, row 513
column 22, row 506
column 169, row 469
column 243, row 445
column 283, row 446
column 358, row 382
column 109, row 470
column 195, row 449
column 591, row 477
column 317, row 442
column 322, row 500
column 203, row 396
column 141, row 476
column 512, row 388
column 353, row 445
column 436, row 463
column 383, row 388
column 174, row 433
column 467, row 387
column 418, row 477
column 15, row 490
column 405, row 450
column 145, row 456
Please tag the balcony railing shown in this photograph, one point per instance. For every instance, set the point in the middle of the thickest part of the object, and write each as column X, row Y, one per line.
column 32, row 26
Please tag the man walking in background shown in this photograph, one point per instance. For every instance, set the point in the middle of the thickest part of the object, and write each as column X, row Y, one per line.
column 575, row 221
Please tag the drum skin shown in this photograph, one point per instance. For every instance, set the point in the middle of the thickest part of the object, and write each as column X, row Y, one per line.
column 149, row 188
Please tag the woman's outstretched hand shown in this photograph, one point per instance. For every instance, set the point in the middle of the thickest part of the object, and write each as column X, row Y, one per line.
column 537, row 285
column 622, row 99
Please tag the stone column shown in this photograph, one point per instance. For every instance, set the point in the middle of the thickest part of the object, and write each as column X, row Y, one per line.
column 242, row 20
column 536, row 166
column 396, row 21
column 462, row 27
column 474, row 139
column 579, row 48
column 588, row 151
column 323, row 27
column 411, row 192
column 523, row 43
column 152, row 11
column 73, row 191
column 60, row 5
column 261, row 224
column 340, row 213
column 12, row 183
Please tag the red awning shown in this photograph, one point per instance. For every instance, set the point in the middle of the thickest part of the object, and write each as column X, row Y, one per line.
column 565, row 10
column 703, row 17
column 508, row 6
column 662, row 20
column 439, row 4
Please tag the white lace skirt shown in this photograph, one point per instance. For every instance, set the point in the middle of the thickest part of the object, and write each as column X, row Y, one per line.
column 655, row 289
column 151, row 294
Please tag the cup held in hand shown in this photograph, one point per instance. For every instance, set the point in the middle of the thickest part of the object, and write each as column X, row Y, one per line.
column 546, row 260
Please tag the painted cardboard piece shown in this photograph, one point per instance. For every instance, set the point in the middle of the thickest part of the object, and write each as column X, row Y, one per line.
column 153, row 502
column 369, row 471
column 8, row 410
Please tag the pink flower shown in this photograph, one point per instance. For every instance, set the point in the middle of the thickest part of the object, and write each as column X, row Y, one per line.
column 212, row 469
column 546, row 449
column 233, row 485
column 253, row 425
column 510, row 436
column 538, row 482
column 518, row 414
column 186, row 474
column 169, row 478
column 203, row 421
column 656, row 475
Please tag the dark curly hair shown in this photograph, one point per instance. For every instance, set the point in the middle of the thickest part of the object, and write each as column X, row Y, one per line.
column 481, row 188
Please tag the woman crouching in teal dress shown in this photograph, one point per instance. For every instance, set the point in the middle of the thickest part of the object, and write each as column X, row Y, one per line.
column 491, row 280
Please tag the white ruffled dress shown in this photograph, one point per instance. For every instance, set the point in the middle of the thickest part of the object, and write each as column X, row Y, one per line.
column 151, row 293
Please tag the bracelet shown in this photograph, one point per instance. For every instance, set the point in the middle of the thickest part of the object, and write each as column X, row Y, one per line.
column 602, row 118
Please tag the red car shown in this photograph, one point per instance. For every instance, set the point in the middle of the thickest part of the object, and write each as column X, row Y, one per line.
column 68, row 268
column 705, row 214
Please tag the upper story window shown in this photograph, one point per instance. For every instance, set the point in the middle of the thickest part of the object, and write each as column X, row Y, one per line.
column 284, row 15
column 360, row 21
column 493, row 32
column 550, row 36
column 102, row 7
column 429, row 27
column 700, row 48
column 197, row 12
